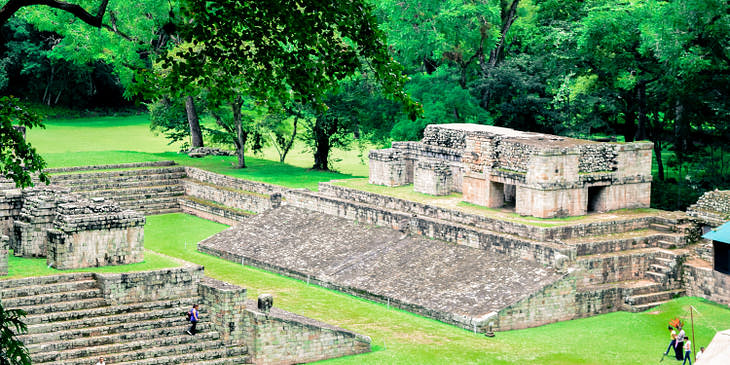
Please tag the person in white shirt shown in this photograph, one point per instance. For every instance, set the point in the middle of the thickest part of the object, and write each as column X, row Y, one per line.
column 101, row 361
column 687, row 352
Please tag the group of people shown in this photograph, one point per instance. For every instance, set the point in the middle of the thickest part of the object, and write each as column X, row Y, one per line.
column 682, row 346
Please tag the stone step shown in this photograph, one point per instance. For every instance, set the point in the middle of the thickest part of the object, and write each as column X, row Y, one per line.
column 43, row 280
column 106, row 185
column 153, row 202
column 32, row 290
column 639, row 287
column 21, row 302
column 656, row 277
column 671, row 254
column 665, row 262
column 667, row 245
column 177, row 353
column 643, row 307
column 661, row 296
column 120, row 166
column 108, row 339
column 45, row 318
column 122, row 195
column 121, row 180
column 74, row 333
column 146, row 209
column 110, row 319
column 222, row 355
column 65, row 306
column 161, row 211
column 106, row 349
column 245, row 359
column 661, row 227
column 64, row 177
column 660, row 268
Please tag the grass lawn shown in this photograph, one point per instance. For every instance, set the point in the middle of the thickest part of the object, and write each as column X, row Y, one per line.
column 403, row 338
column 108, row 140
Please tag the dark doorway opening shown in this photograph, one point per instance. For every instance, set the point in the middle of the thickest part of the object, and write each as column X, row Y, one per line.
column 510, row 192
column 595, row 197
column 722, row 257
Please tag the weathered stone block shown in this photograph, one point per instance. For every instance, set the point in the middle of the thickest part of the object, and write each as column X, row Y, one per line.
column 433, row 177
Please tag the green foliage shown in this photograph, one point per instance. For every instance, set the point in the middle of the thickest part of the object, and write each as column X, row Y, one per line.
column 168, row 116
column 19, row 159
column 12, row 349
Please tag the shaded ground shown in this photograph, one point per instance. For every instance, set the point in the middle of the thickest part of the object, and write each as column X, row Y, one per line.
column 429, row 273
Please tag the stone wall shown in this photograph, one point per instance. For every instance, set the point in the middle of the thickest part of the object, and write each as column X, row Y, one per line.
column 30, row 235
column 11, row 203
column 600, row 269
column 164, row 284
column 4, row 245
column 388, row 167
column 226, row 307
column 232, row 183
column 231, row 197
column 445, row 137
column 712, row 208
column 280, row 337
column 704, row 282
column 92, row 233
column 558, row 232
column 220, row 214
column 432, row 177
column 513, row 155
column 597, row 157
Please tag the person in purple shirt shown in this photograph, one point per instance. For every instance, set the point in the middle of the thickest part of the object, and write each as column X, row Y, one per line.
column 193, row 314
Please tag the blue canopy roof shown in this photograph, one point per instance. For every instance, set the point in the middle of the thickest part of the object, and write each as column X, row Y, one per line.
column 719, row 234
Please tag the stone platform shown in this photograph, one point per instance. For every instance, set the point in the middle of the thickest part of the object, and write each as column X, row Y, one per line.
column 452, row 283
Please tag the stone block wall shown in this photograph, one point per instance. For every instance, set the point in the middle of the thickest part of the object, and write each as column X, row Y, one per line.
column 4, row 245
column 513, row 155
column 597, row 157
column 11, row 203
column 231, row 182
column 280, row 337
column 218, row 214
column 226, row 307
column 550, row 203
column 388, row 167
column 706, row 283
column 623, row 196
column 614, row 268
column 30, row 229
column 634, row 161
column 712, row 208
column 92, row 233
column 164, row 284
column 552, row 167
column 444, row 137
column 433, row 177
column 239, row 199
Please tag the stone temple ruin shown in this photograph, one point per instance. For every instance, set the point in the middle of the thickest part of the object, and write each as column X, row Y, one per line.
column 539, row 175
column 71, row 232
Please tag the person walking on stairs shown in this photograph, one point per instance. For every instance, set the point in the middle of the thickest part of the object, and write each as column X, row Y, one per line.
column 193, row 316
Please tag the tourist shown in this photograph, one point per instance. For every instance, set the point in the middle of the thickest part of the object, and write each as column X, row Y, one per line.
column 673, row 335
column 101, row 361
column 699, row 354
column 679, row 345
column 193, row 315
column 687, row 352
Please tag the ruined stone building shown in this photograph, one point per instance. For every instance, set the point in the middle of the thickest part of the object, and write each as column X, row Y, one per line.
column 538, row 174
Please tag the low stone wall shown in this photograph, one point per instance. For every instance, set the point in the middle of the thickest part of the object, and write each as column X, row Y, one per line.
column 601, row 269
column 432, row 177
column 387, row 167
column 226, row 307
column 110, row 166
column 211, row 212
column 276, row 336
column 704, row 282
column 230, row 197
column 280, row 337
column 561, row 301
column 574, row 230
column 713, row 208
column 232, row 183
column 133, row 287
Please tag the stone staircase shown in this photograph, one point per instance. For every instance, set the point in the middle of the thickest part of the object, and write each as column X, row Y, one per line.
column 147, row 189
column 70, row 323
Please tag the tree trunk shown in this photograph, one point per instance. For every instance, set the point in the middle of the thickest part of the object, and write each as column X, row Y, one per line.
column 508, row 17
column 322, row 147
column 195, row 134
column 241, row 136
column 641, row 128
column 288, row 145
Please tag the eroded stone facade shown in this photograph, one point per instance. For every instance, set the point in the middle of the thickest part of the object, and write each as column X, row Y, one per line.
column 539, row 174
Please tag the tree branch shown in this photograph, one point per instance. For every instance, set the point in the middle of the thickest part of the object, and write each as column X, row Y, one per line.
column 13, row 6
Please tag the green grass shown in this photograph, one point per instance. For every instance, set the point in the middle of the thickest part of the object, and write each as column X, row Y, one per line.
column 21, row 267
column 403, row 338
column 111, row 140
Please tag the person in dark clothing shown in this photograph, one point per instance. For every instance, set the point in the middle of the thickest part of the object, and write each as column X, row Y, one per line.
column 679, row 345
column 194, row 317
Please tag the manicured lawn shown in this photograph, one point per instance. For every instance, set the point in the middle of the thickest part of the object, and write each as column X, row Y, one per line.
column 403, row 338
column 108, row 140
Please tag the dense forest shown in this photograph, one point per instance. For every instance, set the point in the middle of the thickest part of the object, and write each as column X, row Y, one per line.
column 621, row 70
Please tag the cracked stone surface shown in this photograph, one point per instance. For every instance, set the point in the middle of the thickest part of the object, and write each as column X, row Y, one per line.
column 433, row 274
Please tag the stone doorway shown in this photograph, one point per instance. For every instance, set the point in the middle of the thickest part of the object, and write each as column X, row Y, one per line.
column 595, row 199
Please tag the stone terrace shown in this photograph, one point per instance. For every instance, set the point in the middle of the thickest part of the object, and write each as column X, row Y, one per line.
column 452, row 283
